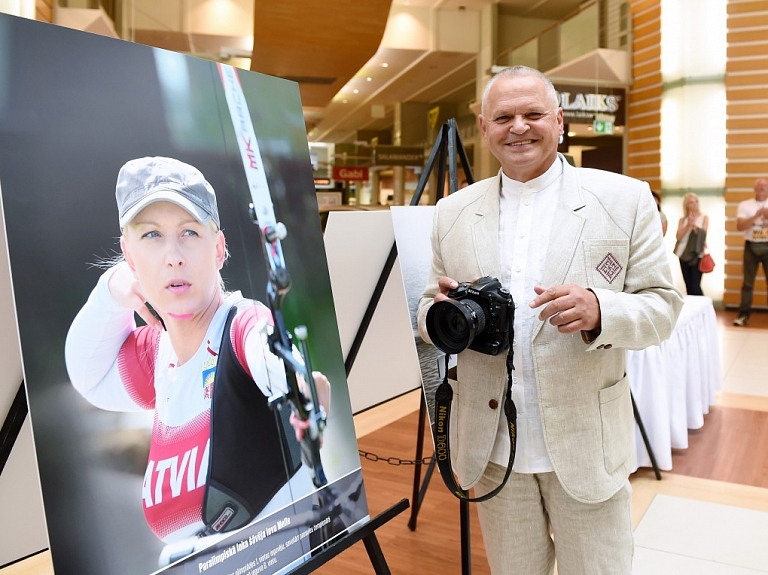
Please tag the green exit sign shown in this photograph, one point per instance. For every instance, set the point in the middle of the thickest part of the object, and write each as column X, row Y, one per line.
column 602, row 127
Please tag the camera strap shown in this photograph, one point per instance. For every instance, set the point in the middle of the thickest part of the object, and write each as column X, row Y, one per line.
column 443, row 398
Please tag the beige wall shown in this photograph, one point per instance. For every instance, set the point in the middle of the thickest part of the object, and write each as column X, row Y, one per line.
column 746, row 82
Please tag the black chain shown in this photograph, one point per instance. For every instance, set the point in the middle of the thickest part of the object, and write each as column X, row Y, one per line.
column 394, row 460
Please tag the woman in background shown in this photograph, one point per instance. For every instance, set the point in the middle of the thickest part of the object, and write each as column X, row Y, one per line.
column 691, row 242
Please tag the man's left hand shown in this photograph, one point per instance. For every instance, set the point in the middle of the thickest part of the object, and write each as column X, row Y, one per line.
column 569, row 307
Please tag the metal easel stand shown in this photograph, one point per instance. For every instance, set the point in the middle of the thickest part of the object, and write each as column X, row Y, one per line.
column 644, row 435
column 447, row 146
column 444, row 154
column 366, row 534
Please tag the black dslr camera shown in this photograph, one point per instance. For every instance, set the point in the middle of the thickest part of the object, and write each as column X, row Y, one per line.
column 479, row 316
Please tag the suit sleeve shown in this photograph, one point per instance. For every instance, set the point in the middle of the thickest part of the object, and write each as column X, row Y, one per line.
column 644, row 312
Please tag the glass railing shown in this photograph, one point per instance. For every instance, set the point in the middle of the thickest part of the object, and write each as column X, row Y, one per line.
column 579, row 33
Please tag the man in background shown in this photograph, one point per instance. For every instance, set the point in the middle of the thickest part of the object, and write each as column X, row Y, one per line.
column 752, row 219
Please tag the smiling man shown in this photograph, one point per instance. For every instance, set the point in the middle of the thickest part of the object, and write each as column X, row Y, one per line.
column 581, row 253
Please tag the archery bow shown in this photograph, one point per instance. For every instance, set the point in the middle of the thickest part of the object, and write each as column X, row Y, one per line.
column 279, row 280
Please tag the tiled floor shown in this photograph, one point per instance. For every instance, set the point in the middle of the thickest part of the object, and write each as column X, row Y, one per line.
column 693, row 526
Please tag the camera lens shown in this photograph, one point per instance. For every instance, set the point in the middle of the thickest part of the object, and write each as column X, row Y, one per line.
column 453, row 324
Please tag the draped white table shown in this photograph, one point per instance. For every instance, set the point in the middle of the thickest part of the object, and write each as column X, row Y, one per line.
column 675, row 383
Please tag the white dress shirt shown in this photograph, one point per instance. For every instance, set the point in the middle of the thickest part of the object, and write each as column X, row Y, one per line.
column 526, row 212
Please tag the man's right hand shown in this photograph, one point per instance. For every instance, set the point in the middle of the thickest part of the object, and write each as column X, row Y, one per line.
column 445, row 284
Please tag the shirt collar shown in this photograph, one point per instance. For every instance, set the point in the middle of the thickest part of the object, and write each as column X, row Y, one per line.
column 508, row 185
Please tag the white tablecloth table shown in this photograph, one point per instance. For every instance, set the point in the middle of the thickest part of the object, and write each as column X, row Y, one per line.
column 675, row 383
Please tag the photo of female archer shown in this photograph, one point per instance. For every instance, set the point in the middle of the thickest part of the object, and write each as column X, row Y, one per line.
column 198, row 339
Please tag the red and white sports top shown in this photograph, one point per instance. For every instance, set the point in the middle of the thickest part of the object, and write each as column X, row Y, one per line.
column 119, row 367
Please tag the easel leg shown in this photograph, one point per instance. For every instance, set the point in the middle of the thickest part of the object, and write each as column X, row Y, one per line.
column 648, row 447
column 373, row 548
column 417, row 495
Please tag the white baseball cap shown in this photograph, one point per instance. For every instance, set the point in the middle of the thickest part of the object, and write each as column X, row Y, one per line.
column 144, row 181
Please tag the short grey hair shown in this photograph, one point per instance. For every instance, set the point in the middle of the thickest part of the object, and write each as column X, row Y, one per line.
column 520, row 72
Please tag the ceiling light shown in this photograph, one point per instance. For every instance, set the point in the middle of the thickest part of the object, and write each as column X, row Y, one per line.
column 355, row 91
column 385, row 65
column 344, row 101
column 571, row 134
column 369, row 79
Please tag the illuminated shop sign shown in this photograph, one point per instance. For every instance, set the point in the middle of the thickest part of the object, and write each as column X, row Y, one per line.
column 398, row 156
column 581, row 104
column 350, row 173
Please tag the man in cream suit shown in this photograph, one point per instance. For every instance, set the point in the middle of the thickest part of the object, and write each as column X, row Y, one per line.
column 581, row 252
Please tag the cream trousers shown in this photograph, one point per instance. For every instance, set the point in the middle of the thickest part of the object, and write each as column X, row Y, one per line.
column 534, row 522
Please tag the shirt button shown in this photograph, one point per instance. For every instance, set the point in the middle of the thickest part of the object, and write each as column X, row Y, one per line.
column 493, row 404
column 608, row 346
column 601, row 346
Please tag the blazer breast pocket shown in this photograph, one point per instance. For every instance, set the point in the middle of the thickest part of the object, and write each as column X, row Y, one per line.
column 606, row 262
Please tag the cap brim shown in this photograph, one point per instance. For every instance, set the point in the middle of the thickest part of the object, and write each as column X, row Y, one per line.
column 166, row 196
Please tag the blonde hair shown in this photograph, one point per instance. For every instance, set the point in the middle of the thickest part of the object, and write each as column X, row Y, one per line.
column 687, row 197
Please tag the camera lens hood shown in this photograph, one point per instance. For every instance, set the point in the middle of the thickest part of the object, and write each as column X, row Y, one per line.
column 453, row 324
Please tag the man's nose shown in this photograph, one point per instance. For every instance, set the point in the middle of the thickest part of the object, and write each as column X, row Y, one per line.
column 518, row 125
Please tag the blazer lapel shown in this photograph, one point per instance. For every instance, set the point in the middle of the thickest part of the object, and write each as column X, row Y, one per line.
column 566, row 231
column 485, row 230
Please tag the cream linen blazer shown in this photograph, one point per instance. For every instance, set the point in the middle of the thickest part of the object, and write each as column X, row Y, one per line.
column 606, row 237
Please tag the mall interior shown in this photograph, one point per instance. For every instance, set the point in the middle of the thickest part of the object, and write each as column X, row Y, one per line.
column 671, row 92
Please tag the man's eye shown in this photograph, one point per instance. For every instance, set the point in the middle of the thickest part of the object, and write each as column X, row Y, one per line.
column 534, row 115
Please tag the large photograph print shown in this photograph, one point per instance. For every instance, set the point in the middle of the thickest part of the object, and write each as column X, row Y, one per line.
column 176, row 426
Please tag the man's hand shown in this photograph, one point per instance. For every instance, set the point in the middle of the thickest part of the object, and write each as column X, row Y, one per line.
column 445, row 284
column 570, row 308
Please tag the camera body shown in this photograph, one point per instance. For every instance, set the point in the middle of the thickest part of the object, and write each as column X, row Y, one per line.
column 478, row 316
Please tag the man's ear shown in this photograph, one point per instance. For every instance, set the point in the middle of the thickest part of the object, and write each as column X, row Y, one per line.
column 481, row 121
column 127, row 254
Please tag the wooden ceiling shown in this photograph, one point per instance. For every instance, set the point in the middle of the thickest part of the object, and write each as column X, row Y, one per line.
column 318, row 45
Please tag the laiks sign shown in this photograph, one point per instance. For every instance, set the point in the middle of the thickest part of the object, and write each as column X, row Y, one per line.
column 581, row 104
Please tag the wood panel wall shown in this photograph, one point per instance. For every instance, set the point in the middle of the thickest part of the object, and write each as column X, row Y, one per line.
column 746, row 89
column 644, row 108
column 44, row 11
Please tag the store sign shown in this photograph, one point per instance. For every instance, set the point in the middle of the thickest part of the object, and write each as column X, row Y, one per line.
column 581, row 104
column 350, row 173
column 398, row 156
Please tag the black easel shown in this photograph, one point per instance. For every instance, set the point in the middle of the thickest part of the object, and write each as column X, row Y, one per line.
column 12, row 425
column 447, row 145
column 647, row 443
column 444, row 152
column 366, row 534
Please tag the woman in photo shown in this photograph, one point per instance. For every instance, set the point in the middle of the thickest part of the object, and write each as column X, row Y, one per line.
column 691, row 242
column 197, row 339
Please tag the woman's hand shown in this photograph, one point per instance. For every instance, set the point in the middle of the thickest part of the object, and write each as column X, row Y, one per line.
column 125, row 290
